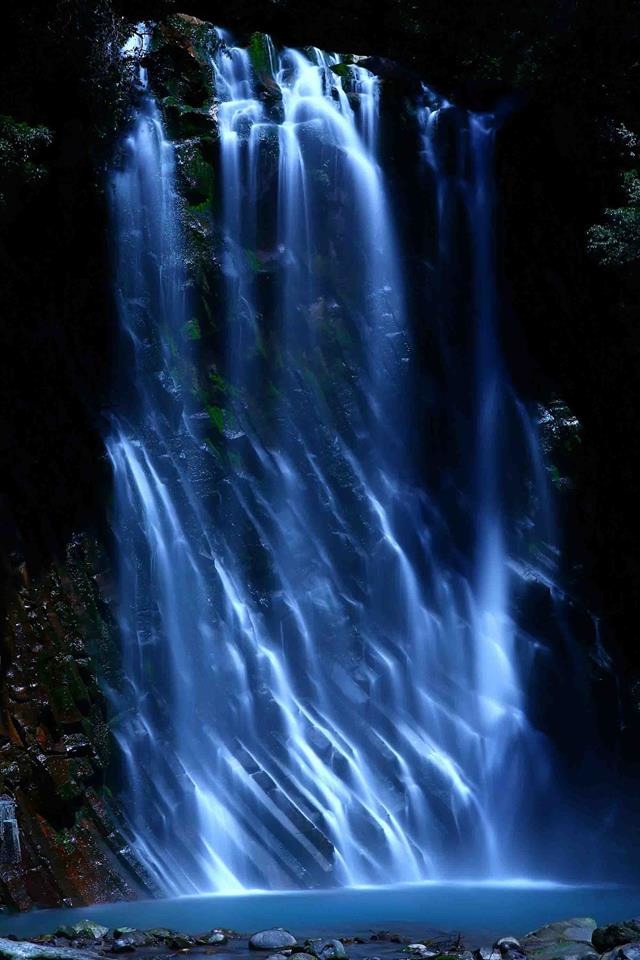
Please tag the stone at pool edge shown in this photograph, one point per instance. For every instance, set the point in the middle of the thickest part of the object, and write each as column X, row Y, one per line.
column 86, row 929
column 419, row 950
column 486, row 953
column 561, row 940
column 181, row 941
column 510, row 949
column 291, row 956
column 327, row 949
column 616, row 935
column 625, row 951
column 128, row 939
column 277, row 938
column 23, row 950
column 212, row 937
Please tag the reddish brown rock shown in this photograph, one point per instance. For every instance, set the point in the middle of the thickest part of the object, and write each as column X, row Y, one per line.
column 55, row 743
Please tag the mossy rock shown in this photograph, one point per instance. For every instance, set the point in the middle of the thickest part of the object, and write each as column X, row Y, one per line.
column 191, row 329
column 195, row 171
column 216, row 416
column 341, row 70
column 261, row 57
column 198, row 33
column 178, row 64
column 184, row 122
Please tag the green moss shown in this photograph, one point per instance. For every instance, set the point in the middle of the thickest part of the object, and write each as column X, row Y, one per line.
column 341, row 70
column 67, row 841
column 213, row 448
column 192, row 329
column 216, row 416
column 252, row 260
column 218, row 383
column 260, row 55
column 199, row 210
column 196, row 171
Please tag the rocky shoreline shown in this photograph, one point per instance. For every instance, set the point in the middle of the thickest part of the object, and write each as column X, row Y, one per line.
column 573, row 939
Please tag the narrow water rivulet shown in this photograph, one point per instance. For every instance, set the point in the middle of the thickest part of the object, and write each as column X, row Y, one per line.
column 326, row 679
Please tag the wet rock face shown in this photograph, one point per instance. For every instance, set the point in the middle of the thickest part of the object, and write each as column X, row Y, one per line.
column 616, row 935
column 55, row 743
column 630, row 951
column 567, row 938
column 20, row 950
column 179, row 69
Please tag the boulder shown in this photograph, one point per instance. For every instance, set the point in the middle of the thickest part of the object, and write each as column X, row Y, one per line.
column 327, row 949
column 180, row 941
column 274, row 939
column 509, row 948
column 629, row 951
column 507, row 943
column 90, row 930
column 616, row 935
column 22, row 950
column 560, row 940
column 213, row 936
column 138, row 938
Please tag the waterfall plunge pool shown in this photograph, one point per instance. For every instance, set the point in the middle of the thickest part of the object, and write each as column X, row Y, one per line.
column 480, row 911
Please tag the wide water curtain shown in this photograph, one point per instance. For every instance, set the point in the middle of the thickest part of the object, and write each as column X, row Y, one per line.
column 323, row 677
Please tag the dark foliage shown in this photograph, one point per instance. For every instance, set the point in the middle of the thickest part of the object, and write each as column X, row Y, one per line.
column 62, row 95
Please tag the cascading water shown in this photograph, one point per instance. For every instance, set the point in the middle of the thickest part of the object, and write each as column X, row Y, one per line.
column 323, row 686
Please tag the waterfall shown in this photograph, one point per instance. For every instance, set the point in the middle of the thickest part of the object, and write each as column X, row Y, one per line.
column 325, row 683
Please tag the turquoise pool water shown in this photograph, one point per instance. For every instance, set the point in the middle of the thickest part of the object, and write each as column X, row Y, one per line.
column 478, row 910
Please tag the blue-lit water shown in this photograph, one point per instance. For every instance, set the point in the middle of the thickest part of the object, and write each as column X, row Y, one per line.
column 327, row 676
column 479, row 911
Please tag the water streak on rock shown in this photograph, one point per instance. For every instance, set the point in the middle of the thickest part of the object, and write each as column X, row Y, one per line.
column 322, row 687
